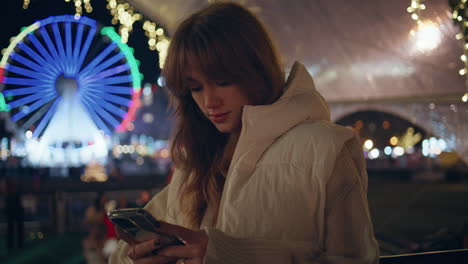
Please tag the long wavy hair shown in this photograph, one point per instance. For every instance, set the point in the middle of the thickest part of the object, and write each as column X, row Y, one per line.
column 223, row 41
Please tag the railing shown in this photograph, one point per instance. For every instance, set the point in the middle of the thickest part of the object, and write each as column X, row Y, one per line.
column 457, row 256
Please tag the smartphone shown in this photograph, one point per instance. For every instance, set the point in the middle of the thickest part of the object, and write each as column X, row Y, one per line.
column 140, row 224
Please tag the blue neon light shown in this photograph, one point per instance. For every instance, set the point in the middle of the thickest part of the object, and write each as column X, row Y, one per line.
column 98, row 59
column 38, row 114
column 109, row 62
column 68, row 49
column 83, row 53
column 109, row 72
column 111, row 89
column 26, row 72
column 69, row 54
column 111, row 80
column 46, row 118
column 51, row 63
column 27, row 99
column 93, row 114
column 21, row 114
column 26, row 90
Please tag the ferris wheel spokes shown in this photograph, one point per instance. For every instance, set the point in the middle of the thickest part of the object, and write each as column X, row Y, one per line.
column 67, row 80
column 115, row 89
column 26, row 72
column 38, row 114
column 34, row 106
column 30, row 98
column 76, row 49
column 112, row 108
column 106, row 73
column 51, row 48
column 36, row 57
column 25, row 90
column 85, row 49
column 30, row 64
column 45, row 120
column 51, row 63
column 112, row 60
column 94, row 115
column 98, row 59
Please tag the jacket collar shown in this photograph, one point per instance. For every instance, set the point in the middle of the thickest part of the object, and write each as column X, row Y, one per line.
column 262, row 125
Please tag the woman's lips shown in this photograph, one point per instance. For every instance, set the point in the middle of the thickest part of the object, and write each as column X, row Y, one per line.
column 219, row 118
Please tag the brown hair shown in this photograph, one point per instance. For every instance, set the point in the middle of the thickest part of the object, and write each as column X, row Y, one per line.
column 224, row 41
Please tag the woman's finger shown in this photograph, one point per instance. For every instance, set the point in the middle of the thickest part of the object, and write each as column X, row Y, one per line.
column 143, row 249
column 187, row 251
column 155, row 260
column 122, row 234
column 175, row 230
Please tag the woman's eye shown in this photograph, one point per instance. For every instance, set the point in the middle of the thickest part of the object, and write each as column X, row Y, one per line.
column 195, row 89
column 223, row 83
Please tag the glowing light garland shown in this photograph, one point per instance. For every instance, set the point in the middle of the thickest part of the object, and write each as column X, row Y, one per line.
column 459, row 16
column 125, row 16
column 415, row 10
column 459, row 8
column 26, row 4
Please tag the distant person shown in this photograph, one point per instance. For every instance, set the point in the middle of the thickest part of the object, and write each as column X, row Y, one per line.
column 262, row 176
column 144, row 198
column 97, row 230
column 110, row 239
column 14, row 214
column 122, row 202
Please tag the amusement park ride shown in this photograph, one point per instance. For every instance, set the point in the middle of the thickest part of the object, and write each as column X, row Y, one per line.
column 68, row 84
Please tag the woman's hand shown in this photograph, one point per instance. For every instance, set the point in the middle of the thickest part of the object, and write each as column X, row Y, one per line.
column 195, row 244
column 143, row 252
column 153, row 252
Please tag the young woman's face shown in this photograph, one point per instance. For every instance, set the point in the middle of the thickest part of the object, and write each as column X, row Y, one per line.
column 219, row 100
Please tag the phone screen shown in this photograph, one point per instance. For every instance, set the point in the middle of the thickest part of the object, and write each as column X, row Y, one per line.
column 141, row 226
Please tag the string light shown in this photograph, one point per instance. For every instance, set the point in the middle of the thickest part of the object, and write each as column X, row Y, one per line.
column 427, row 35
column 415, row 10
column 459, row 17
column 26, row 4
column 124, row 15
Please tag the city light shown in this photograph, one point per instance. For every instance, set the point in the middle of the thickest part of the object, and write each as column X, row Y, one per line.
column 368, row 144
column 393, row 141
column 164, row 153
column 374, row 153
column 433, row 147
column 427, row 36
column 388, row 150
column 398, row 151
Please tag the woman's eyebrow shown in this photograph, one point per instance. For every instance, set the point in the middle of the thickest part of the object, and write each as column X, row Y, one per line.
column 190, row 79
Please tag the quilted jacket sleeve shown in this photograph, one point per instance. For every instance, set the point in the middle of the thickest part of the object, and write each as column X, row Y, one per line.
column 349, row 236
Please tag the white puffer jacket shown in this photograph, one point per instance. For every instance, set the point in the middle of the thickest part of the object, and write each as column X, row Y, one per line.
column 295, row 191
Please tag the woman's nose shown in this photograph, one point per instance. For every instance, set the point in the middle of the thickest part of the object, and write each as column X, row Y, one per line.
column 212, row 98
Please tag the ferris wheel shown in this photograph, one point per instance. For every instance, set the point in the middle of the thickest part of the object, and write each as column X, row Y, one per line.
column 66, row 81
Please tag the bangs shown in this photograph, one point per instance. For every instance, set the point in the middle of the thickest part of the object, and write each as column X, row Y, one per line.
column 209, row 52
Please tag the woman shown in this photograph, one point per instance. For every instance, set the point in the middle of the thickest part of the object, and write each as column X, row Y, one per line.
column 262, row 174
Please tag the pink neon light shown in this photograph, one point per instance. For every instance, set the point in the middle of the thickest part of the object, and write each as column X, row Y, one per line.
column 130, row 116
column 2, row 70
